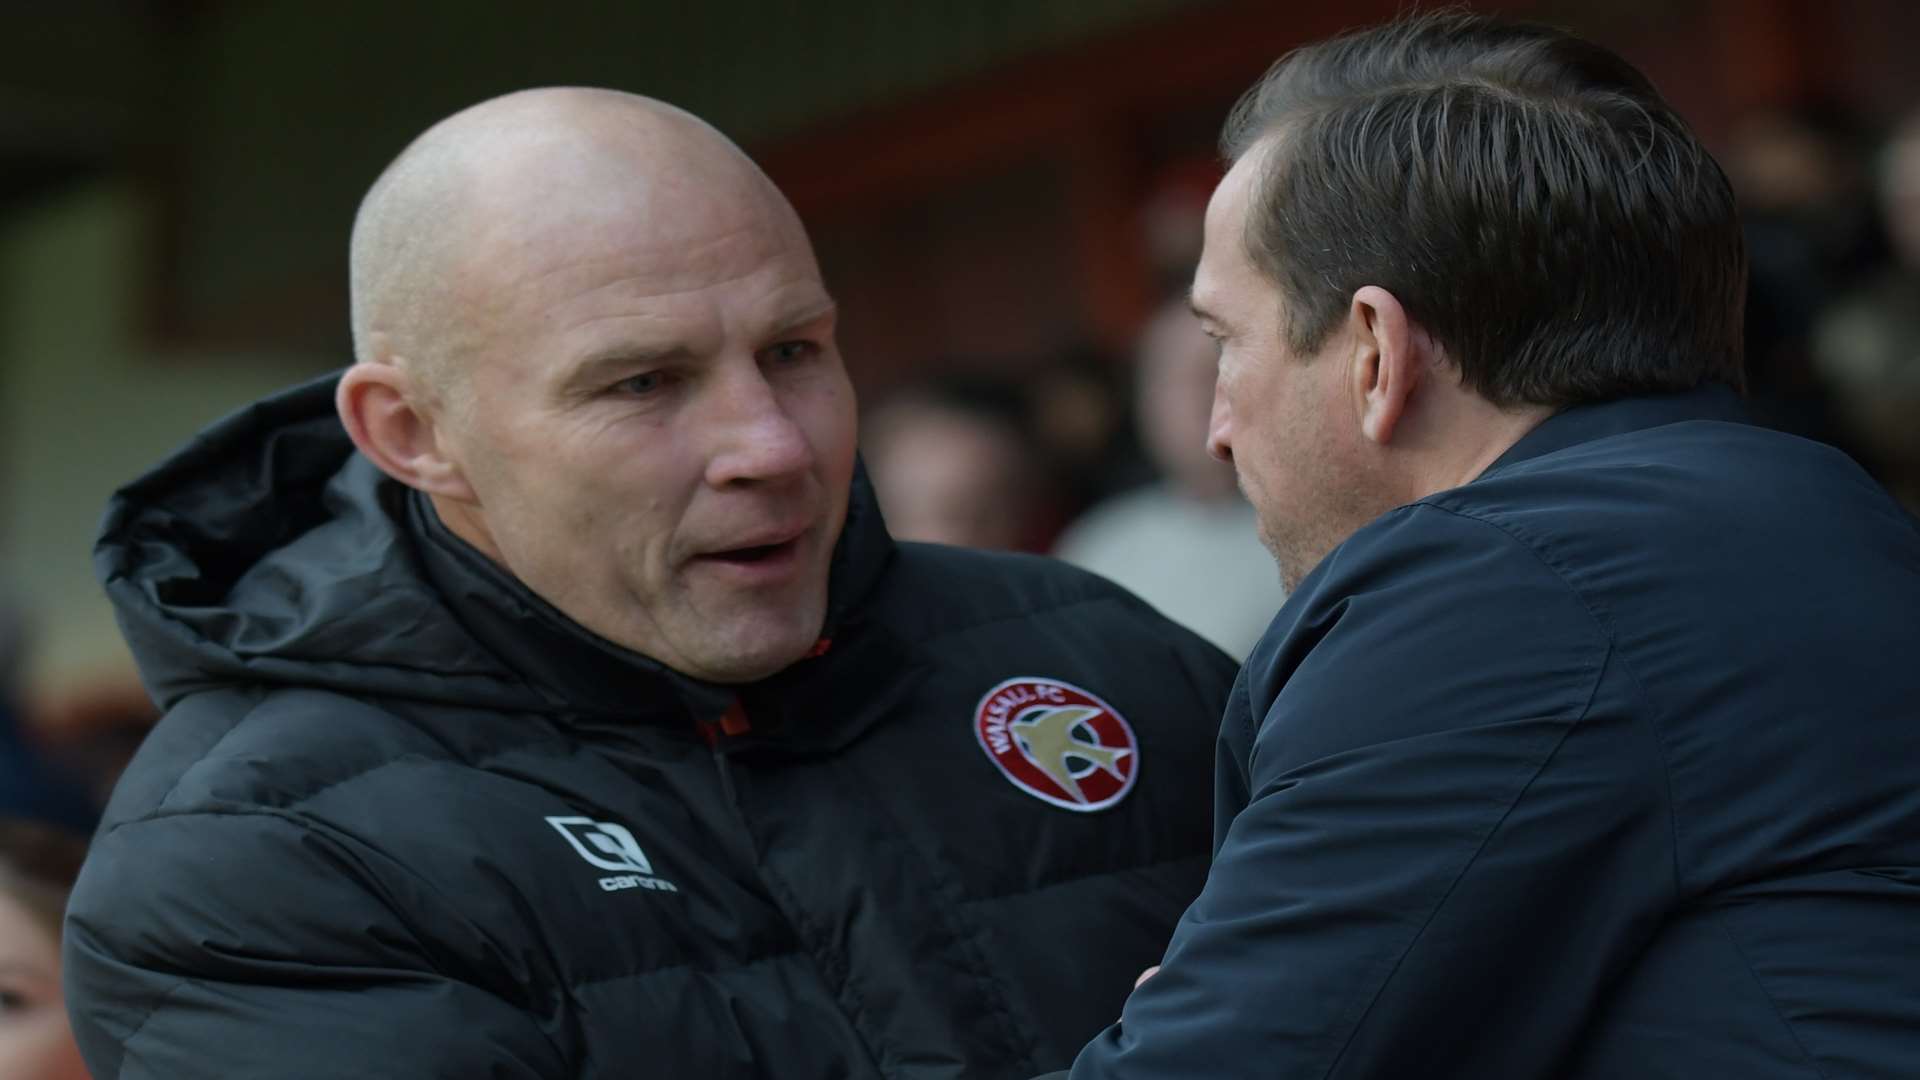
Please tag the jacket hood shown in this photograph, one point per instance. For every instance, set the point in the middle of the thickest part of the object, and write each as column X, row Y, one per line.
column 268, row 551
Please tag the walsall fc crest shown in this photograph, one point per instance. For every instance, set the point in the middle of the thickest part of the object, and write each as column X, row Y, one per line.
column 1058, row 742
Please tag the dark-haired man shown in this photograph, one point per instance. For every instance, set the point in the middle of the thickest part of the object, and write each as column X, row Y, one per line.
column 1588, row 744
column 545, row 697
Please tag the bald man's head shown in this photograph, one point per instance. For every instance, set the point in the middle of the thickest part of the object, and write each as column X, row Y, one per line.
column 483, row 183
column 595, row 336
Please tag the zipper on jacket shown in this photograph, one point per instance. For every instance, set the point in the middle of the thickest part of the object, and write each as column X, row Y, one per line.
column 731, row 724
column 734, row 722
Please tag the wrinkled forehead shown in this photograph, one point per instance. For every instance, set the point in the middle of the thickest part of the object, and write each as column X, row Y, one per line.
column 620, row 238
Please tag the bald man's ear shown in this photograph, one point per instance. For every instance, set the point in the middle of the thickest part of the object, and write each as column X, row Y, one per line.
column 1390, row 357
column 386, row 418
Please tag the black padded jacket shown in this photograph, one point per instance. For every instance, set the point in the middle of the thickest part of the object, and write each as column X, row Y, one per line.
column 403, row 819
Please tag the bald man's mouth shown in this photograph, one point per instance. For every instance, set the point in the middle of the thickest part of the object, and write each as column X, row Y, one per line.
column 756, row 554
column 762, row 559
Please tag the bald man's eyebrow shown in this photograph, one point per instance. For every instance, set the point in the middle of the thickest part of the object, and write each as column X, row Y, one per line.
column 806, row 317
column 604, row 366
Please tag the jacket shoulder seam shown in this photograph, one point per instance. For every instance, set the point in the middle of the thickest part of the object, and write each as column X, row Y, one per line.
column 205, row 754
column 1605, row 628
column 1454, row 882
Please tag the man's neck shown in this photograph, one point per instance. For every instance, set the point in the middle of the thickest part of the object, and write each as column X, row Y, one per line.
column 1510, row 427
column 1480, row 433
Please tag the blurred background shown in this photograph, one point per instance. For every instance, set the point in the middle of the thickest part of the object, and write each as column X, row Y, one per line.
column 1005, row 195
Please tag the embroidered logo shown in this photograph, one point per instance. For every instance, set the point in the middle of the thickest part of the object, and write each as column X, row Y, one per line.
column 611, row 847
column 1058, row 742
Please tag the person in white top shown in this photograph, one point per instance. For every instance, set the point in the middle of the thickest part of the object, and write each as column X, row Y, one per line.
column 1188, row 544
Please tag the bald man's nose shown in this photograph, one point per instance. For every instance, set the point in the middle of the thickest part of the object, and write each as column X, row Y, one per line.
column 756, row 438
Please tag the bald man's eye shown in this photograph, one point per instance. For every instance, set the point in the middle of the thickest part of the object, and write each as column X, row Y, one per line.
column 651, row 382
column 792, row 352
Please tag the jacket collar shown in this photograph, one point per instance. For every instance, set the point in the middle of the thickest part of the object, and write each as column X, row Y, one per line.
column 586, row 676
column 1585, row 423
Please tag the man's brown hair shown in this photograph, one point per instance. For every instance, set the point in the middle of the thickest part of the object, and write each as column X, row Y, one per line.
column 1528, row 196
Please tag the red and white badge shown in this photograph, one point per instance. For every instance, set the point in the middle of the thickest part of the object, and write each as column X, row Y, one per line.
column 1058, row 743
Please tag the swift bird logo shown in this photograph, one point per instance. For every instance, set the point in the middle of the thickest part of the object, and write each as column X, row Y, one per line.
column 1058, row 742
column 1047, row 737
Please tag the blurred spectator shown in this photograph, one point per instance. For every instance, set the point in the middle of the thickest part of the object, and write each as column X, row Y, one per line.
column 44, row 822
column 1868, row 346
column 1800, row 176
column 37, row 866
column 85, row 730
column 1172, row 216
column 93, row 730
column 953, row 462
column 1079, row 409
column 1188, row 544
column 1899, row 191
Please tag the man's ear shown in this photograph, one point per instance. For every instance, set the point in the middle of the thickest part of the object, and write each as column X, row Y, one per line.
column 386, row 417
column 1390, row 356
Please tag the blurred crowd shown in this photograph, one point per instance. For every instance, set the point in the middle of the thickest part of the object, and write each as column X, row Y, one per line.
column 1103, row 461
column 46, row 814
column 1074, row 461
column 1833, row 328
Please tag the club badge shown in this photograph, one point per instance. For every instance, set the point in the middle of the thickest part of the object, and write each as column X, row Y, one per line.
column 1058, row 743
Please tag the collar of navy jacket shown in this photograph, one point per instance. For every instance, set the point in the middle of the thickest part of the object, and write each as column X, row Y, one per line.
column 1598, row 420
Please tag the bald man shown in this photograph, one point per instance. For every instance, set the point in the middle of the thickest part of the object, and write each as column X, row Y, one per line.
column 545, row 697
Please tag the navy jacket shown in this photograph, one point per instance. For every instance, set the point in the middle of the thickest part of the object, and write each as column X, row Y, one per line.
column 1606, row 764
